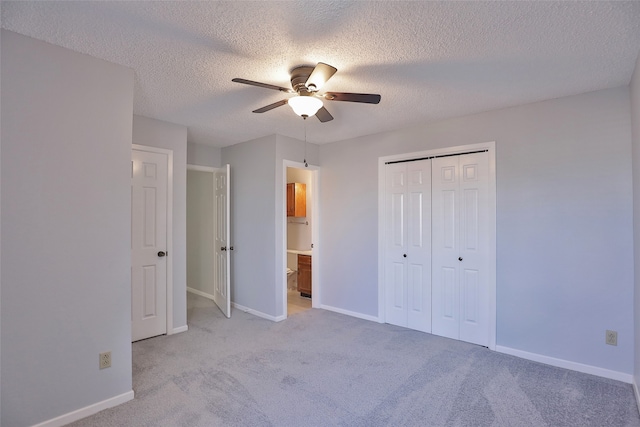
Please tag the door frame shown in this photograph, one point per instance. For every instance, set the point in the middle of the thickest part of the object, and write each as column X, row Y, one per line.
column 170, row 251
column 460, row 149
column 315, row 234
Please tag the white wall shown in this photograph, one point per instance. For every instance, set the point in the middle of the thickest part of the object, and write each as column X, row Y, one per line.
column 564, row 221
column 66, row 290
column 156, row 133
column 203, row 155
column 635, row 130
column 200, row 231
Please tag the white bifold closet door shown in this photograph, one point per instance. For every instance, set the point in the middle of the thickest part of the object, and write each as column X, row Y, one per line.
column 408, row 245
column 460, row 244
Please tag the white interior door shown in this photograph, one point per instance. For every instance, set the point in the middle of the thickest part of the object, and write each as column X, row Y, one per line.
column 222, row 287
column 461, row 247
column 408, row 245
column 149, row 184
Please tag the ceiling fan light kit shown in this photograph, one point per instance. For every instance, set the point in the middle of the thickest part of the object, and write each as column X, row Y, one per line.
column 305, row 106
column 306, row 82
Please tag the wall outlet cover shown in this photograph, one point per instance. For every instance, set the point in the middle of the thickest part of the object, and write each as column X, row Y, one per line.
column 105, row 360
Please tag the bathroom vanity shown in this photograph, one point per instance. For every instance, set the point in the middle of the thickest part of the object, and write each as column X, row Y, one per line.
column 304, row 275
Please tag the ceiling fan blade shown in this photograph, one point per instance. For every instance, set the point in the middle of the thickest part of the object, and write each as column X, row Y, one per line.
column 270, row 106
column 264, row 85
column 323, row 115
column 367, row 98
column 319, row 76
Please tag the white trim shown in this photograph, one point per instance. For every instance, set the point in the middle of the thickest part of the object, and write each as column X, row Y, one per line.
column 351, row 313
column 315, row 234
column 567, row 364
column 179, row 329
column 258, row 313
column 202, row 294
column 201, row 168
column 490, row 146
column 636, row 393
column 170, row 249
column 87, row 411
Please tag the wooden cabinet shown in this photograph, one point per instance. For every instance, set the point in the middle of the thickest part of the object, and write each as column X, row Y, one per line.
column 304, row 275
column 296, row 199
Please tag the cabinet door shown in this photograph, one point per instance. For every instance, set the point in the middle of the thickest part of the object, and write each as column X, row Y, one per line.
column 304, row 274
column 296, row 199
column 291, row 199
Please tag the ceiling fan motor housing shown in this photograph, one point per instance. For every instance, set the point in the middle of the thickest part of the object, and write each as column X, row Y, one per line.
column 299, row 76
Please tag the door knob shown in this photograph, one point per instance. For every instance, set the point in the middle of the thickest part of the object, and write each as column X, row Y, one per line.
column 231, row 248
column 459, row 258
column 223, row 248
column 404, row 255
column 161, row 254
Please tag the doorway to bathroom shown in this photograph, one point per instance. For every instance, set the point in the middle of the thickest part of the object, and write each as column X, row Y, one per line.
column 301, row 288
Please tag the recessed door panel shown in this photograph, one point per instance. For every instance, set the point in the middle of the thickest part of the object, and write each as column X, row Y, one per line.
column 470, row 296
column 150, row 210
column 470, row 219
column 416, row 288
column 397, row 220
column 149, row 294
column 449, row 219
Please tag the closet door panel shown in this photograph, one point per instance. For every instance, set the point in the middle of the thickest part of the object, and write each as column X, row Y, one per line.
column 419, row 245
column 474, row 241
column 396, row 244
column 445, row 237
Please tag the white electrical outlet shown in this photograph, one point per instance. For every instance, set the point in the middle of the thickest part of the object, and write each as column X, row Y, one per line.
column 611, row 337
column 105, row 360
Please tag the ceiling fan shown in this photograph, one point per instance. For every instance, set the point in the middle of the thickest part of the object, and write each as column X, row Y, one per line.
column 306, row 82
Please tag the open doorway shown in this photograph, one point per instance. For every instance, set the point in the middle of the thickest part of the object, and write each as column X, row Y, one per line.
column 208, row 236
column 300, row 193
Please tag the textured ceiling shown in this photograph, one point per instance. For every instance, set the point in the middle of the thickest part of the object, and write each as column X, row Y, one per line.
column 428, row 60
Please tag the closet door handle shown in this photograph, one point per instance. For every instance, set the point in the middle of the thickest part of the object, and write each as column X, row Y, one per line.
column 161, row 254
column 459, row 258
column 223, row 248
column 404, row 255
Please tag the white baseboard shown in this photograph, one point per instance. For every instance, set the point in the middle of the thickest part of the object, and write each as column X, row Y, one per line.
column 81, row 413
column 258, row 313
column 566, row 364
column 350, row 313
column 179, row 329
column 202, row 294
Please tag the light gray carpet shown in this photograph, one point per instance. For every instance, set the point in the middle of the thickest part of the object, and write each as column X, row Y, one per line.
column 320, row 368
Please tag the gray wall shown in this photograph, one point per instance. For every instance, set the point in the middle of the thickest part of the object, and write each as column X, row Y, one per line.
column 258, row 183
column 200, row 231
column 203, row 155
column 252, row 222
column 66, row 178
column 564, row 221
column 156, row 133
column 635, row 125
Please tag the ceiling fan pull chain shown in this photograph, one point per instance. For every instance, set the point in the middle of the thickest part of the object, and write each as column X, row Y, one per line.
column 306, row 165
